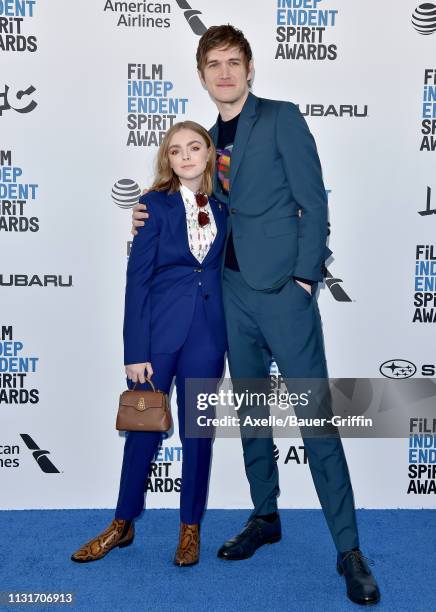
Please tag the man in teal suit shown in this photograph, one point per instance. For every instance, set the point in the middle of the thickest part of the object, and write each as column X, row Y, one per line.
column 269, row 175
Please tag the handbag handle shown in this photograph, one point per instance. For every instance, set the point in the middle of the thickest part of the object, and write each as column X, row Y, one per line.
column 149, row 381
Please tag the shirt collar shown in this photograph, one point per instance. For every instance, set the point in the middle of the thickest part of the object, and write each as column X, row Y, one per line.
column 188, row 195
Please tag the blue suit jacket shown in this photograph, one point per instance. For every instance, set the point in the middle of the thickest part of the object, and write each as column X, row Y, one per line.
column 274, row 172
column 163, row 279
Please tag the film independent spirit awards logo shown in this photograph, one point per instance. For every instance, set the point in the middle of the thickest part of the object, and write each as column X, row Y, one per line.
column 424, row 18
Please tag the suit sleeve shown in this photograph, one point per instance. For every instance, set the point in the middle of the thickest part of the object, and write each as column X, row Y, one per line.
column 303, row 171
column 140, row 268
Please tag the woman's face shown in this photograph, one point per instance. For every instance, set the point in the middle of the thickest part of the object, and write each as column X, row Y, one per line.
column 188, row 154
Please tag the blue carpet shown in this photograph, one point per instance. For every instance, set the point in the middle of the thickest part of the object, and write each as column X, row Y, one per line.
column 297, row 573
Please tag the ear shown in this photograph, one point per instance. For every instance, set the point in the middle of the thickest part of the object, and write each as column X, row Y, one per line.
column 250, row 73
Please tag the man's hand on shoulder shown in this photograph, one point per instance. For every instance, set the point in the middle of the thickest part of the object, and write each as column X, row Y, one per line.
column 139, row 214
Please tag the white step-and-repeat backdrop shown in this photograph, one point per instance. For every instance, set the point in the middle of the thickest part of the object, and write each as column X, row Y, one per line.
column 72, row 128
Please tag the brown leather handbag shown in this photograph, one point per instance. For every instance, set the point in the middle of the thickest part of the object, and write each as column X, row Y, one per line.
column 140, row 410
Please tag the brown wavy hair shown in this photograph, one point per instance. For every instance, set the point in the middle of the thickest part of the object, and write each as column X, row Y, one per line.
column 165, row 178
column 222, row 36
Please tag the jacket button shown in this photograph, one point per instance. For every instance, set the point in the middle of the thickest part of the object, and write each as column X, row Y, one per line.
column 233, row 211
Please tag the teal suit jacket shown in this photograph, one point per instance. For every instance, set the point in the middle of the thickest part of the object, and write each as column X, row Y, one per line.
column 274, row 172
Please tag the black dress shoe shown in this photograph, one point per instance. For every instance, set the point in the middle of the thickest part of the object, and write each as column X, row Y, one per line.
column 256, row 533
column 361, row 585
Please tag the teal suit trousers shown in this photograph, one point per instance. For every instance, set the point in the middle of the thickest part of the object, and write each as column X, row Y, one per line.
column 285, row 323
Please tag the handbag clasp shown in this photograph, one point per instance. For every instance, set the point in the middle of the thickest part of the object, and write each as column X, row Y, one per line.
column 141, row 404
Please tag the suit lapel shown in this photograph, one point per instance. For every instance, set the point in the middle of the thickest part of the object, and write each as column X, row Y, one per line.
column 177, row 222
column 213, row 133
column 220, row 217
column 245, row 124
column 217, row 189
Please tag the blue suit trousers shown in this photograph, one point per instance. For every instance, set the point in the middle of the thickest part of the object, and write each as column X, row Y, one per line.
column 198, row 357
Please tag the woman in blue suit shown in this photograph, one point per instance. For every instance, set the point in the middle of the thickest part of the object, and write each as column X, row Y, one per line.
column 173, row 326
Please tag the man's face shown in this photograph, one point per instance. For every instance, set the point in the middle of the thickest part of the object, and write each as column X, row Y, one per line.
column 225, row 74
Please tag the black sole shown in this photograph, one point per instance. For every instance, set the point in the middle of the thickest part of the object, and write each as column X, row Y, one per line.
column 271, row 541
column 185, row 564
column 359, row 603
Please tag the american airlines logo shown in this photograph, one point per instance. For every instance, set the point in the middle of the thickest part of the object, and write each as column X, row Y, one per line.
column 192, row 17
column 40, row 455
column 336, row 289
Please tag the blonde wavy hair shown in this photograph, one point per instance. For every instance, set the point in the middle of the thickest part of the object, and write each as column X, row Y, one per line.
column 165, row 178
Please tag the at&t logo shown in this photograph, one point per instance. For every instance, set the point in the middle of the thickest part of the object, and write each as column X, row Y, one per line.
column 424, row 18
column 125, row 193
